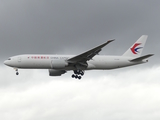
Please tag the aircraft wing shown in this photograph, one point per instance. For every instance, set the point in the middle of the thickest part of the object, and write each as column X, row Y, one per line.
column 88, row 55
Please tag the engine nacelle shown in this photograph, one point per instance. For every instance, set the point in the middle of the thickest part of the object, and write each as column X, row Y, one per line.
column 53, row 72
column 58, row 64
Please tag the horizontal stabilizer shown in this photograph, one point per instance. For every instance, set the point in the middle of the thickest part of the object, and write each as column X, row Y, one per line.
column 141, row 58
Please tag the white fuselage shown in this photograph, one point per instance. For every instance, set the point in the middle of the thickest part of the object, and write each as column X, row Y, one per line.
column 99, row 62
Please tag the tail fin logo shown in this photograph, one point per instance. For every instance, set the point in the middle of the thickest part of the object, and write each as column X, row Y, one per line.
column 135, row 49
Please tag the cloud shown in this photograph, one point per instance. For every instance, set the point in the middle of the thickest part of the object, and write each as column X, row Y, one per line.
column 127, row 94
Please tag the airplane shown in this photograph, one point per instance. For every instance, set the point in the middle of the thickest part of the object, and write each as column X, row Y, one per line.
column 89, row 60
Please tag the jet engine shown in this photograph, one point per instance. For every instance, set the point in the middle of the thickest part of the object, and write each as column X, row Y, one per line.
column 58, row 64
column 53, row 72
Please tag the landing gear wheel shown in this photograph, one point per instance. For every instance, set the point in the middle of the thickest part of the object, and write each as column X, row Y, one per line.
column 82, row 73
column 73, row 76
column 75, row 72
column 17, row 73
column 79, row 77
column 76, row 76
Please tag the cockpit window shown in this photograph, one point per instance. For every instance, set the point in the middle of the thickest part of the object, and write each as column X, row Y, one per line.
column 9, row 58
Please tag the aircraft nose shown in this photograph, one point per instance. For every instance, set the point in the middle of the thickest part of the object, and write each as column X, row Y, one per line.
column 6, row 62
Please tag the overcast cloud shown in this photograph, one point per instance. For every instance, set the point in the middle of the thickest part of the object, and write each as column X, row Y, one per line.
column 72, row 27
column 131, row 94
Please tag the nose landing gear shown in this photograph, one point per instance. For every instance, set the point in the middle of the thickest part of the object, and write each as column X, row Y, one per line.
column 78, row 74
column 17, row 73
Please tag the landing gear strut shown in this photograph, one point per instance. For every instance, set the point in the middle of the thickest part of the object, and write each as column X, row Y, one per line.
column 78, row 74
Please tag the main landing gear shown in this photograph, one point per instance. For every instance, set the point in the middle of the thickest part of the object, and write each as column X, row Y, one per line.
column 17, row 73
column 78, row 74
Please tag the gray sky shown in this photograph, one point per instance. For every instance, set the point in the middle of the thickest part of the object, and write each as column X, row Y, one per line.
column 72, row 27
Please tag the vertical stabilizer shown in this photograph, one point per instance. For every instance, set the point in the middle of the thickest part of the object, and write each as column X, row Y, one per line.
column 136, row 49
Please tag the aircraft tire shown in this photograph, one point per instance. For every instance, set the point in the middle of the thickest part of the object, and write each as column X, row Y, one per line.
column 76, row 76
column 73, row 76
